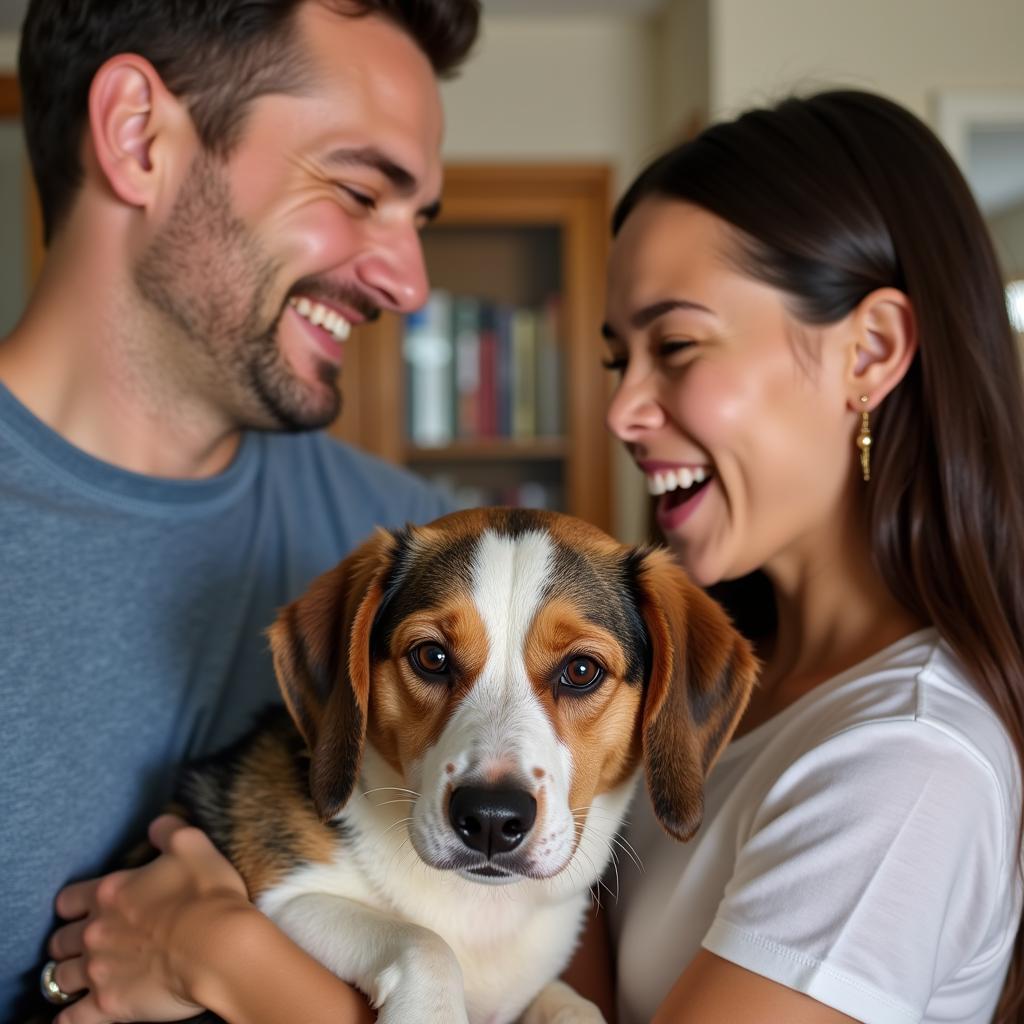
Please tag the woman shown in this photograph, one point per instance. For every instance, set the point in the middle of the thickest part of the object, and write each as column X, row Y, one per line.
column 818, row 378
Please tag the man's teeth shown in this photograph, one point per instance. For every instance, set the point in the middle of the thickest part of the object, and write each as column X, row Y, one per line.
column 669, row 479
column 320, row 315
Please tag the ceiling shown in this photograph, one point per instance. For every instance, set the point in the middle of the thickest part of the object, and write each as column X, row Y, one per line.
column 12, row 11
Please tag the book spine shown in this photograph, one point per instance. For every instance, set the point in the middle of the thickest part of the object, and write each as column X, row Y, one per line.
column 550, row 394
column 429, row 355
column 524, row 373
column 466, row 329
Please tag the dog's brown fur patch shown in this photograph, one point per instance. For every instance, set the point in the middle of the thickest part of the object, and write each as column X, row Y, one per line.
column 407, row 713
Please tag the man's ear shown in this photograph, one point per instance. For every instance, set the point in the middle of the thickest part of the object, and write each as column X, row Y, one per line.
column 136, row 124
column 882, row 348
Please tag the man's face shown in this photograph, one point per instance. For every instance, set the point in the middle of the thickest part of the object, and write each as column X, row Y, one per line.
column 310, row 226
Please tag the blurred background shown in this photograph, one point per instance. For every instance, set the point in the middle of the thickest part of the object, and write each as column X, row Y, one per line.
column 496, row 388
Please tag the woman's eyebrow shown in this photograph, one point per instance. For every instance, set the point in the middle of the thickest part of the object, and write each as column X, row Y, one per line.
column 646, row 316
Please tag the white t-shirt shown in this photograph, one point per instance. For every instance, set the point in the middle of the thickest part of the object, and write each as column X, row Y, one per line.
column 861, row 846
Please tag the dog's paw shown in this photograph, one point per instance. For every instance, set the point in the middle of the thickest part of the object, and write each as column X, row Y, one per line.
column 423, row 985
column 559, row 1004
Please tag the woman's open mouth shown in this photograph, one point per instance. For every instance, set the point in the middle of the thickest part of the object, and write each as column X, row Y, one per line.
column 677, row 489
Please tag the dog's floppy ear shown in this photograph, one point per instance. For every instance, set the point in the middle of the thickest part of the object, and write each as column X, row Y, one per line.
column 321, row 649
column 700, row 678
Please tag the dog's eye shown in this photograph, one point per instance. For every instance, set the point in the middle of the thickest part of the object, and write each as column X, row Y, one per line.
column 581, row 673
column 429, row 659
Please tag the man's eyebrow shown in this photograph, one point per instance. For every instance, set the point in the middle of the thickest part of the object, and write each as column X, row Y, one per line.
column 404, row 181
column 648, row 314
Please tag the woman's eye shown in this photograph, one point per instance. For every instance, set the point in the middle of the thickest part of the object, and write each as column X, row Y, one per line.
column 429, row 659
column 674, row 345
column 581, row 673
column 617, row 364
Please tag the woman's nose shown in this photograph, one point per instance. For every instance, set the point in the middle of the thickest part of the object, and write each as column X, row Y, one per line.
column 634, row 409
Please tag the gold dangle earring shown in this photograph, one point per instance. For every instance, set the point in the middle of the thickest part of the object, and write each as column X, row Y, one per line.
column 863, row 441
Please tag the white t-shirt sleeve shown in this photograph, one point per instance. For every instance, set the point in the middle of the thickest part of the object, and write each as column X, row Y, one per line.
column 874, row 867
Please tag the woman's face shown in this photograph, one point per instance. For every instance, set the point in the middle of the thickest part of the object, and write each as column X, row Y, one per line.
column 737, row 414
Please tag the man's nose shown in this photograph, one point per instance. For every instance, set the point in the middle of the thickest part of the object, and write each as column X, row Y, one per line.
column 395, row 271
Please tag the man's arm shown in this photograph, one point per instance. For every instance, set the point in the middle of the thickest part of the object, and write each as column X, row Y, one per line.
column 179, row 935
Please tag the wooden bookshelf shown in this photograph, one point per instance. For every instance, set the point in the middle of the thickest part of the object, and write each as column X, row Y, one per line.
column 502, row 449
column 510, row 232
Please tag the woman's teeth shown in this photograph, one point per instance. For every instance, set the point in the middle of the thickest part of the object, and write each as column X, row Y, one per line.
column 666, row 480
column 320, row 315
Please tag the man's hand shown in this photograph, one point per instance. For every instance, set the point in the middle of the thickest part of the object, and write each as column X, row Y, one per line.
column 137, row 937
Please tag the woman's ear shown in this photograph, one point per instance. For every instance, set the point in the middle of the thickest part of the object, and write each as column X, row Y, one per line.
column 136, row 124
column 883, row 347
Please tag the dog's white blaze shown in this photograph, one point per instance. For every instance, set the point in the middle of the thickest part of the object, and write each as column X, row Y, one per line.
column 501, row 729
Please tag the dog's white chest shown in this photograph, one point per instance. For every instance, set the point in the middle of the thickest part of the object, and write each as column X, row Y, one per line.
column 507, row 944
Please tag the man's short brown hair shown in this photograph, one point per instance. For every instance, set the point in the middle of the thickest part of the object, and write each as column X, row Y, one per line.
column 218, row 55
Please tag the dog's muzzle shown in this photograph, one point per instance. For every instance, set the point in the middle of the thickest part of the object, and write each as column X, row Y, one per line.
column 491, row 821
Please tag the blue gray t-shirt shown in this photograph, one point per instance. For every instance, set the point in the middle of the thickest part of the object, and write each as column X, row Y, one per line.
column 132, row 612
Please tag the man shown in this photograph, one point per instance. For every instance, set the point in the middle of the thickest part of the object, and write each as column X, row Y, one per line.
column 228, row 187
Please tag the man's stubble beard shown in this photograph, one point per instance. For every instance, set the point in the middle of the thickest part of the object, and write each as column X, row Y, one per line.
column 204, row 272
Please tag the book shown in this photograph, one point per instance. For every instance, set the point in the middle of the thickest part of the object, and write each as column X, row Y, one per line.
column 466, row 327
column 488, row 351
column 504, row 316
column 523, row 375
column 428, row 351
column 550, row 387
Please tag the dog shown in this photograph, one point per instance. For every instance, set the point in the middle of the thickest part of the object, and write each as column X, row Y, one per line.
column 468, row 706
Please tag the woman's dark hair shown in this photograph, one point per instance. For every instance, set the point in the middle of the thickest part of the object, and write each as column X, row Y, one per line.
column 219, row 55
column 834, row 196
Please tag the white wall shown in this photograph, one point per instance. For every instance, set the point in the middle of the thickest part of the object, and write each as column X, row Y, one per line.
column 683, row 45
column 549, row 87
column 908, row 49
column 8, row 52
column 1008, row 231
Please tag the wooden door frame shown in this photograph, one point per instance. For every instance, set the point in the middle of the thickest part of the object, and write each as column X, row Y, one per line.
column 10, row 110
column 10, row 96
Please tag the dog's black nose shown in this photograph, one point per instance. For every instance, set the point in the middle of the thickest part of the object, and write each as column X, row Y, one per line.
column 491, row 821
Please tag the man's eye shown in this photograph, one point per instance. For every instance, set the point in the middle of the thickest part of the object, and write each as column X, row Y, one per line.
column 430, row 659
column 361, row 198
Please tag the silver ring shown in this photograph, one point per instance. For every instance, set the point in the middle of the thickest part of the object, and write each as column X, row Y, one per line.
column 52, row 992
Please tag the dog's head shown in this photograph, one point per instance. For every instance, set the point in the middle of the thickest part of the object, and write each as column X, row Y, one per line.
column 513, row 668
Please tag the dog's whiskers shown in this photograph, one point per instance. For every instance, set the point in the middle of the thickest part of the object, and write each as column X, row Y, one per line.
column 392, row 789
column 394, row 825
column 629, row 850
column 400, row 849
column 616, row 839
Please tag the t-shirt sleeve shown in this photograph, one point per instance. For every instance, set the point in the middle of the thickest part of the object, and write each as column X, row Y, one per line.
column 872, row 869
